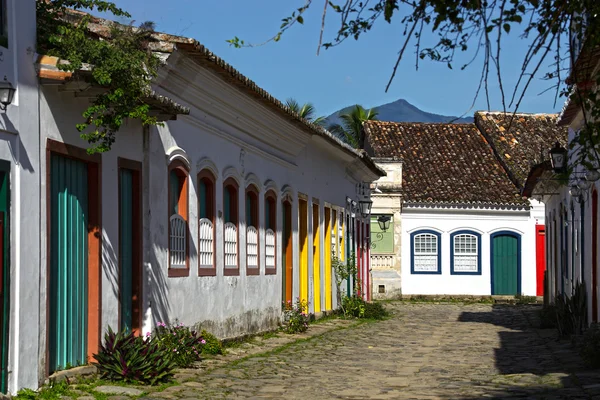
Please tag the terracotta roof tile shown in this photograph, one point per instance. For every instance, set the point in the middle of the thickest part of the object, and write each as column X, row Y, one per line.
column 443, row 163
column 520, row 142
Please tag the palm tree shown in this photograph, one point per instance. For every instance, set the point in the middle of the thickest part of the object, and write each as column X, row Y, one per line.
column 350, row 130
column 306, row 111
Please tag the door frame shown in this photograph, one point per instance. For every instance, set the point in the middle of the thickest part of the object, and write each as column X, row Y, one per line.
column 5, row 253
column 518, row 237
column 137, row 273
column 94, row 164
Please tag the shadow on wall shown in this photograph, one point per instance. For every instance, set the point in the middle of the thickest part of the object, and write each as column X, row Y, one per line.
column 532, row 362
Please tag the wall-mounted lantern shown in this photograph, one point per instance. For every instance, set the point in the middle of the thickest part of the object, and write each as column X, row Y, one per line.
column 7, row 94
column 558, row 158
column 365, row 207
column 384, row 222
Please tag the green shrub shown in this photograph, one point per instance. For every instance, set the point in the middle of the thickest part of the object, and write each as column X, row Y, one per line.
column 353, row 306
column 130, row 358
column 571, row 311
column 522, row 299
column 590, row 349
column 182, row 344
column 375, row 311
column 548, row 317
column 213, row 345
column 295, row 316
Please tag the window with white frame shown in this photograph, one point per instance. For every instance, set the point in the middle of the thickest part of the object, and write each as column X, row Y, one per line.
column 466, row 253
column 425, row 246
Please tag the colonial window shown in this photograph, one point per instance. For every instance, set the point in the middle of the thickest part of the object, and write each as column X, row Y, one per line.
column 178, row 219
column 252, row 225
column 230, row 226
column 206, row 223
column 465, row 257
column 270, row 232
column 425, row 252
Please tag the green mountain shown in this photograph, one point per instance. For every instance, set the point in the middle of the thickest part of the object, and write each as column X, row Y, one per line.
column 402, row 111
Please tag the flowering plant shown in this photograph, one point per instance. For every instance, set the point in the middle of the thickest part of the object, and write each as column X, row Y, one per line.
column 295, row 316
column 180, row 343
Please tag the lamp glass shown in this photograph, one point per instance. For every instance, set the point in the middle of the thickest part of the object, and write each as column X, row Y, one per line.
column 384, row 222
column 592, row 175
column 365, row 207
column 584, row 184
column 7, row 93
column 575, row 191
column 558, row 157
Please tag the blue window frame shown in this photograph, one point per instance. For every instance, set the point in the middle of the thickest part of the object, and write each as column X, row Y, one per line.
column 465, row 253
column 425, row 252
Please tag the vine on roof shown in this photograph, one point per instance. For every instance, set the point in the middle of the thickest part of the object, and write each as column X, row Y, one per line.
column 122, row 64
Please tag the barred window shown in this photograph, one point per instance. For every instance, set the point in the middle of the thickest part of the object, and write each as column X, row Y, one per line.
column 465, row 253
column 426, row 252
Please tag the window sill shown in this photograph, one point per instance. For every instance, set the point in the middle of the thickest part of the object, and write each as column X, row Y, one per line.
column 270, row 271
column 207, row 271
column 178, row 272
column 252, row 271
column 231, row 271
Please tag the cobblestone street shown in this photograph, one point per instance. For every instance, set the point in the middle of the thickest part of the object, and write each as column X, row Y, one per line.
column 424, row 351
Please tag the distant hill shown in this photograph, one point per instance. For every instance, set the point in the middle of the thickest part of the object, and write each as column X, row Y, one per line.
column 402, row 111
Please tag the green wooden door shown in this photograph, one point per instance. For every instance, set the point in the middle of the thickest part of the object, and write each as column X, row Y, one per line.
column 68, row 262
column 4, row 276
column 505, row 264
column 126, row 248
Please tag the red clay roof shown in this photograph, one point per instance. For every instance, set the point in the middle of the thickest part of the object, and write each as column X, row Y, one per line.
column 443, row 164
column 520, row 142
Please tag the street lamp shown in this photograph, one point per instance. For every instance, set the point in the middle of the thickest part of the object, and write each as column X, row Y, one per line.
column 7, row 93
column 558, row 157
column 365, row 207
column 384, row 222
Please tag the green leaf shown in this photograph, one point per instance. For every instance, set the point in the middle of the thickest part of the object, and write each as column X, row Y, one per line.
column 506, row 27
column 300, row 19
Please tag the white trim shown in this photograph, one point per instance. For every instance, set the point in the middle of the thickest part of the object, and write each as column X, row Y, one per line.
column 271, row 185
column 207, row 163
column 232, row 172
column 252, row 179
column 177, row 153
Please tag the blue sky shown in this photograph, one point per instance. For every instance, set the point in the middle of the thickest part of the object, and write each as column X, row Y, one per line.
column 354, row 72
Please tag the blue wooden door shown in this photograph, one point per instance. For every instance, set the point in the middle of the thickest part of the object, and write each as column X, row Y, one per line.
column 68, row 294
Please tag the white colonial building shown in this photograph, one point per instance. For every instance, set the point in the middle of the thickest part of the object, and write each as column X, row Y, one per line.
column 232, row 207
column 459, row 223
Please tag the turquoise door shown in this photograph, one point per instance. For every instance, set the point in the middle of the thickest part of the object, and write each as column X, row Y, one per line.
column 68, row 294
column 130, row 213
column 506, row 264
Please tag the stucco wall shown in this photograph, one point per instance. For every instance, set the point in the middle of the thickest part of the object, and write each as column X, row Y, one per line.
column 226, row 305
column 485, row 222
column 19, row 146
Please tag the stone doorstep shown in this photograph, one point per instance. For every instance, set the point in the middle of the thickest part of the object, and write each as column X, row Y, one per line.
column 77, row 372
column 452, row 297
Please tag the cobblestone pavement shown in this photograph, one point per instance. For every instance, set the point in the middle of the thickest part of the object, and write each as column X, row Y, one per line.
column 426, row 351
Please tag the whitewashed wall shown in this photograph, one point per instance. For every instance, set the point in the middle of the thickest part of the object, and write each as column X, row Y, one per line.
column 571, row 261
column 485, row 222
column 19, row 146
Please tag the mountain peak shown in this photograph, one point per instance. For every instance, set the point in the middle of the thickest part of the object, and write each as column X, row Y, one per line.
column 403, row 111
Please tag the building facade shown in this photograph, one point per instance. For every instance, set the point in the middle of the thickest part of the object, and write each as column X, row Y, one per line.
column 232, row 207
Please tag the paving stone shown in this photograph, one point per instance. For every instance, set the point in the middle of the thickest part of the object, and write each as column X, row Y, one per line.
column 118, row 390
column 441, row 351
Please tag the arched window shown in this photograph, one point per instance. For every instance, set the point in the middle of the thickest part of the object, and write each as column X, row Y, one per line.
column 465, row 253
column 270, row 233
column 230, row 226
column 206, row 223
column 425, row 252
column 178, row 220
column 252, row 227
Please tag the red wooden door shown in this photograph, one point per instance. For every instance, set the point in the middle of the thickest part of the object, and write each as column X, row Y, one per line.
column 540, row 257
